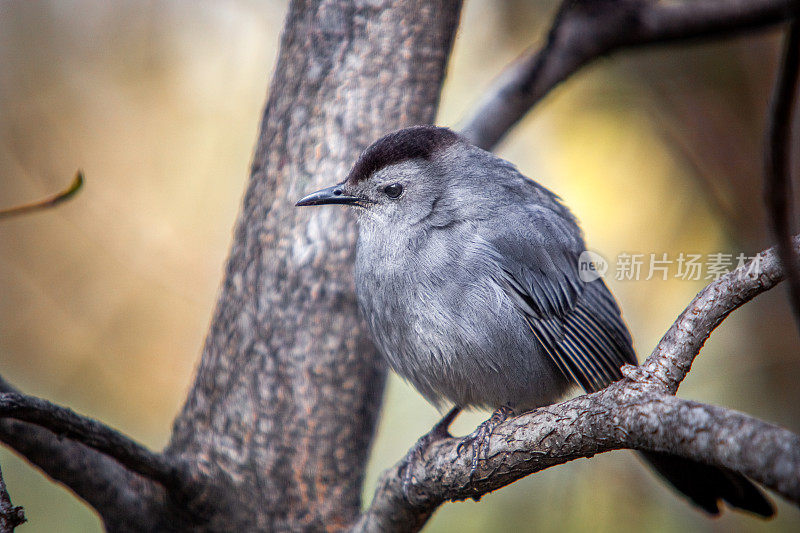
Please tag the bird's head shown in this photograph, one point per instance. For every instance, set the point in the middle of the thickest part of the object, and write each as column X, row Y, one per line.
column 399, row 178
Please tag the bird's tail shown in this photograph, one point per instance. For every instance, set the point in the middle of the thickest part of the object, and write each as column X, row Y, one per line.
column 706, row 485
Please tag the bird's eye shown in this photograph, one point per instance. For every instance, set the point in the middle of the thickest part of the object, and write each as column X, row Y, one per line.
column 394, row 190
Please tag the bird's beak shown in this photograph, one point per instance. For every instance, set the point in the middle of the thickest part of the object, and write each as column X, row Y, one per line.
column 330, row 195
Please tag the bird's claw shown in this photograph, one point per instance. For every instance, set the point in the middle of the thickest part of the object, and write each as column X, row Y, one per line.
column 479, row 440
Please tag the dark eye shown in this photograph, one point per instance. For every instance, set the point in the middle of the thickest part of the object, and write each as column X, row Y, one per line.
column 394, row 190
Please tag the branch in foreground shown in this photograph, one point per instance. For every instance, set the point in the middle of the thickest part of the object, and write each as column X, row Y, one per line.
column 777, row 158
column 91, row 433
column 585, row 30
column 625, row 415
column 638, row 413
column 121, row 497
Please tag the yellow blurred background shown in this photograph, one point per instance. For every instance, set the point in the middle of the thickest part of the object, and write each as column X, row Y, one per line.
column 104, row 301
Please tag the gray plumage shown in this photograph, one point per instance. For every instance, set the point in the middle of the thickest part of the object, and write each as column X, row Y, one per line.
column 474, row 310
column 467, row 273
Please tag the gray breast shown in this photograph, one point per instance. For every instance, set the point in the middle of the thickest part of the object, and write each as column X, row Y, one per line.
column 443, row 322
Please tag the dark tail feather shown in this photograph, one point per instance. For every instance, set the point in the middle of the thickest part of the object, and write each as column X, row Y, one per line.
column 706, row 485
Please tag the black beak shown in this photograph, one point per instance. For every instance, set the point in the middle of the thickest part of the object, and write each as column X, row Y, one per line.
column 330, row 195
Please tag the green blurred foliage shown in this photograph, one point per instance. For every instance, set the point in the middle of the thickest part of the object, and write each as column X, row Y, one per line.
column 104, row 301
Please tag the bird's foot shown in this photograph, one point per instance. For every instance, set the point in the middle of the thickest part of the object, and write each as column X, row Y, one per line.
column 478, row 441
column 438, row 432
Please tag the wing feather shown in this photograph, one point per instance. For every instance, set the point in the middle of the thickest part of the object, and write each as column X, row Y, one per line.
column 577, row 323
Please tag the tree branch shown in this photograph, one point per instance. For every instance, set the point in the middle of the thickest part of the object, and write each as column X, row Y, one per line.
column 65, row 422
column 287, row 393
column 584, row 30
column 125, row 500
column 625, row 415
column 638, row 412
column 672, row 358
column 777, row 159
column 10, row 516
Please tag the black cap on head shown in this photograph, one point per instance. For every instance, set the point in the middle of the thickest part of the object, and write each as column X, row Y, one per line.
column 402, row 145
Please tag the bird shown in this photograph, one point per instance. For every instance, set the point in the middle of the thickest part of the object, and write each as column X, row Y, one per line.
column 467, row 274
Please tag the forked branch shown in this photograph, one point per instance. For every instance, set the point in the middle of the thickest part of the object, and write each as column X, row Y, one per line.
column 96, row 435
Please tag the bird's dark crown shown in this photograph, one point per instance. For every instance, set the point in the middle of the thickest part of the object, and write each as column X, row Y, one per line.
column 402, row 145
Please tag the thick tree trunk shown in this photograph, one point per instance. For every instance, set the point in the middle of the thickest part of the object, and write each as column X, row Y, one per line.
column 283, row 409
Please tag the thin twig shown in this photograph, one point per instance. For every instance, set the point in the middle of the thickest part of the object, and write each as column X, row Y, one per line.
column 585, row 30
column 777, row 161
column 46, row 203
column 65, row 422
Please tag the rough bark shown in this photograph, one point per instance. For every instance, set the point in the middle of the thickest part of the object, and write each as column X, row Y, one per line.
column 10, row 516
column 672, row 358
column 288, row 391
column 625, row 415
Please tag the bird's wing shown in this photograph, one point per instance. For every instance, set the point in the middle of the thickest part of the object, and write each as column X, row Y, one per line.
column 577, row 323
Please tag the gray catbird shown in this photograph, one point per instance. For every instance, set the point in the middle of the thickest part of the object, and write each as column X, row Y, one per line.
column 468, row 275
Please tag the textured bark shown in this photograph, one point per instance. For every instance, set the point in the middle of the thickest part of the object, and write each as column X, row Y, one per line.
column 10, row 516
column 286, row 398
column 625, row 415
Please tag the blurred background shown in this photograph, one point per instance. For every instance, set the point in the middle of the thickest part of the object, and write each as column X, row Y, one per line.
column 104, row 301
